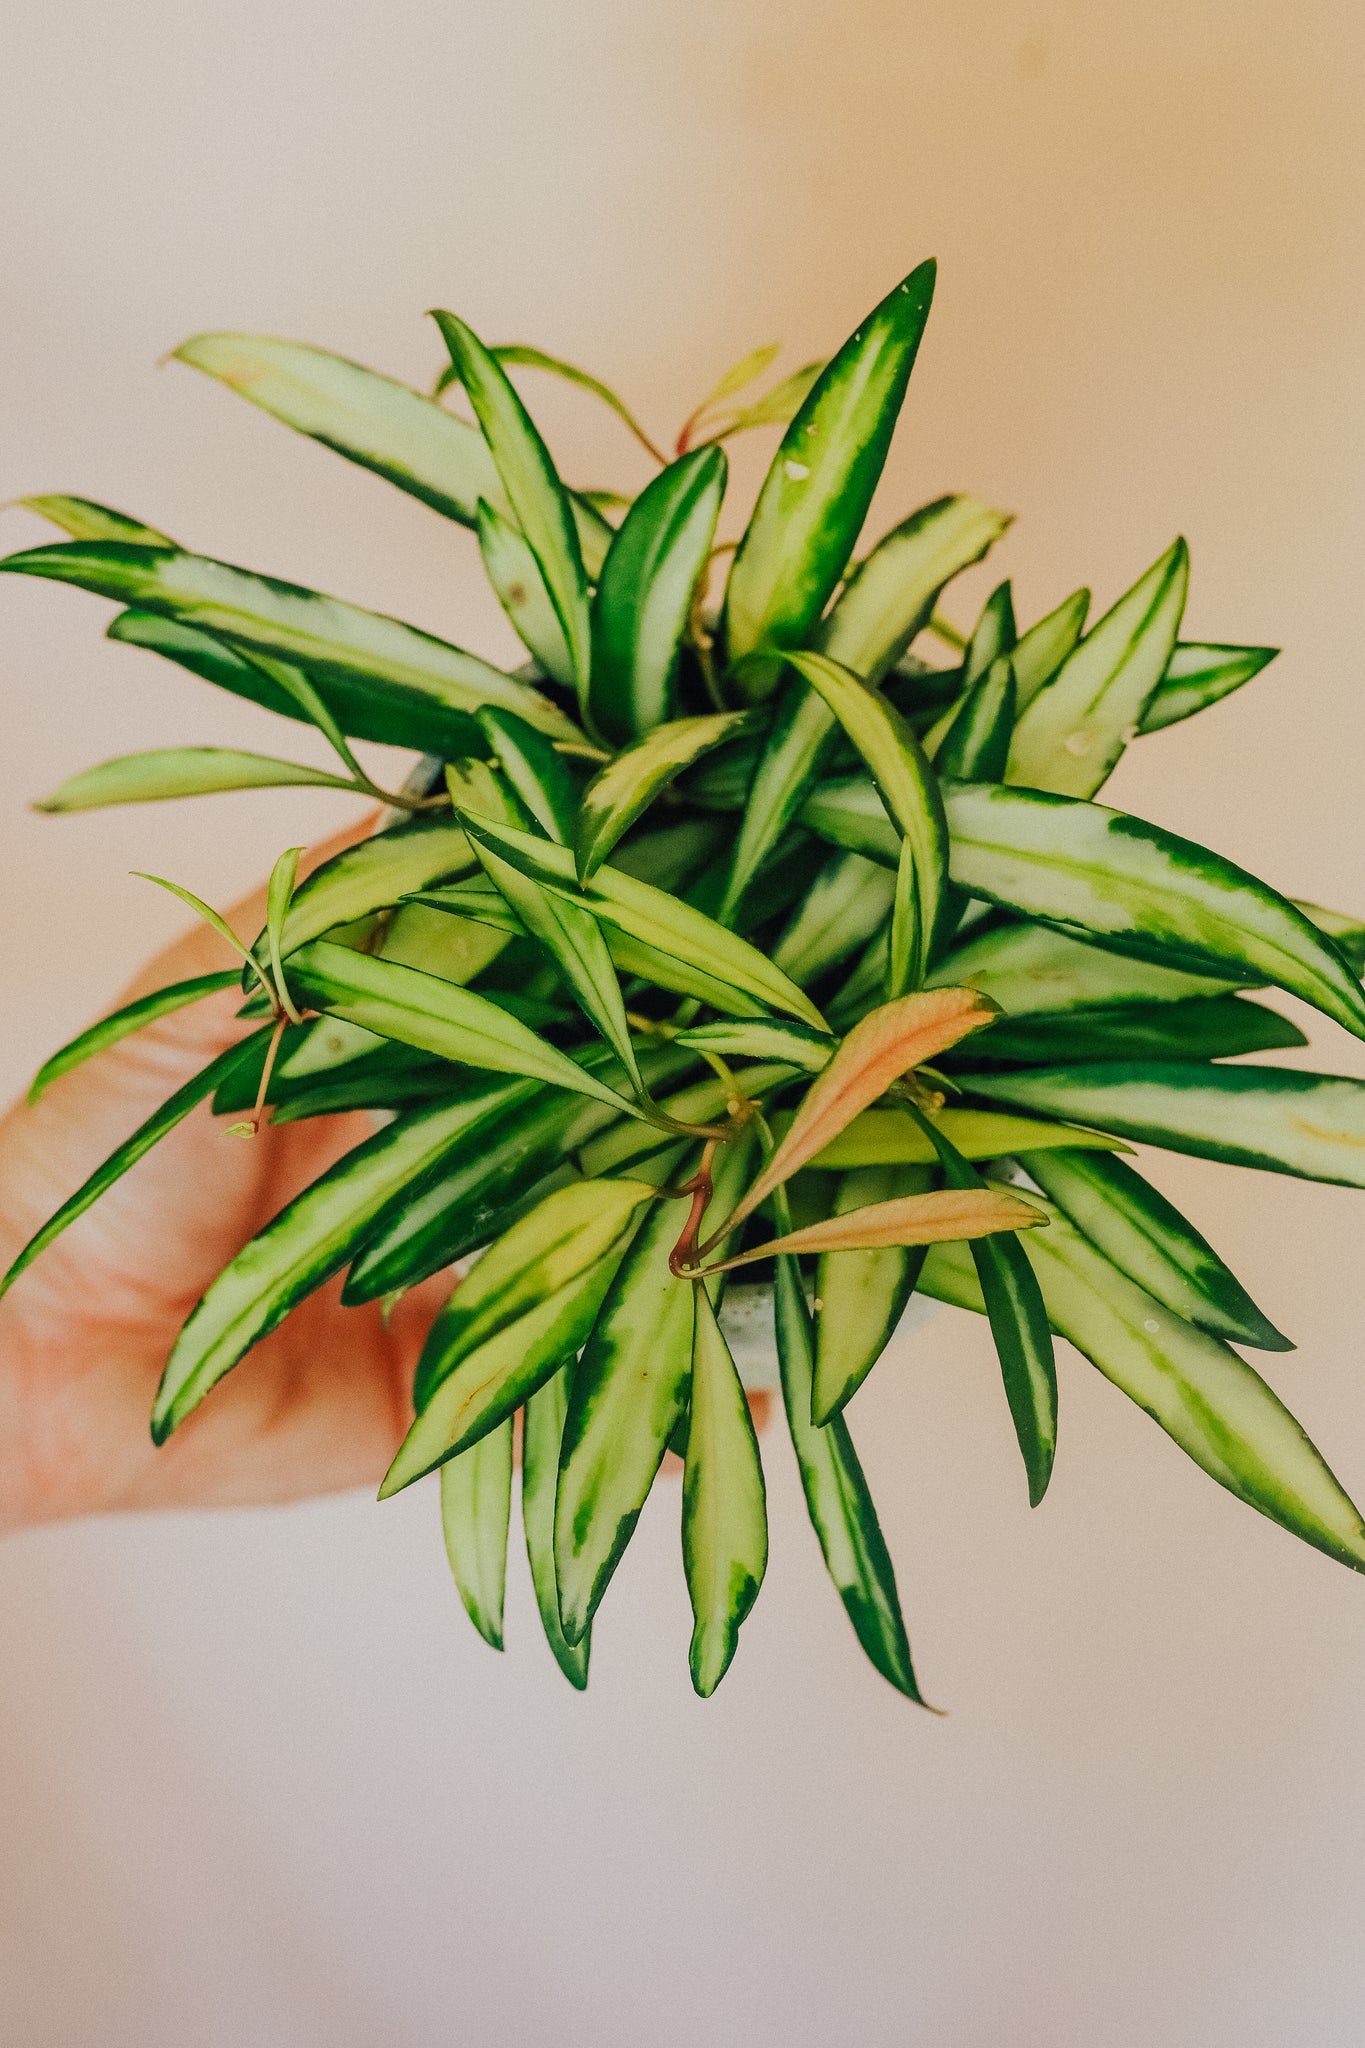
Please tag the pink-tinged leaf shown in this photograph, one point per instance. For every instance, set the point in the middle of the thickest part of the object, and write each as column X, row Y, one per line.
column 937, row 1218
column 886, row 1044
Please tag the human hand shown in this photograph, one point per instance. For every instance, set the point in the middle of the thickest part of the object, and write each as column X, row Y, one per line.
column 320, row 1405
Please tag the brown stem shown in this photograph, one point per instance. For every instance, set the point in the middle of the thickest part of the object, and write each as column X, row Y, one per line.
column 700, row 1189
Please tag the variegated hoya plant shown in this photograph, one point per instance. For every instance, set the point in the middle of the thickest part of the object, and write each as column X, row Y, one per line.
column 728, row 932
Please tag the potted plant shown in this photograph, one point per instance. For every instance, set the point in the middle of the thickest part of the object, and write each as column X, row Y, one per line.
column 728, row 935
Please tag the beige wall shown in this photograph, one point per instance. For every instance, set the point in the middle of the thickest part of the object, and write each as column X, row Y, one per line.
column 261, row 1785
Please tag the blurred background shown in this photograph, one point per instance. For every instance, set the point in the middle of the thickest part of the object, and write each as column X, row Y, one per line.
column 261, row 1782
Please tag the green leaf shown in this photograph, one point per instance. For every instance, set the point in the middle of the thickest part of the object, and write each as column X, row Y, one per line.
column 626, row 1394
column 473, row 1202
column 538, row 499
column 215, row 923
column 739, row 376
column 800, row 732
column 552, row 1246
column 419, row 1009
column 373, row 875
column 993, row 635
column 572, row 937
column 626, row 1144
column 312, row 1238
column 1197, row 676
column 645, row 594
column 725, row 1515
column 1039, row 653
column 1033, row 970
column 1277, row 1118
column 132, row 1017
column 891, row 1137
column 172, row 1111
column 536, row 359
column 384, row 680
column 816, row 496
column 1343, row 928
column 476, row 1508
column 976, row 745
column 546, row 1328
column 1019, row 1326
column 621, row 791
column 759, row 1039
column 181, row 771
column 542, row 1436
column 1147, row 1238
column 514, row 573
column 536, row 774
column 278, row 897
column 1210, row 1401
column 848, row 901
column 671, row 928
column 903, row 778
column 861, row 1296
column 1072, row 733
column 1142, row 890
column 1201, row 1028
column 889, row 597
column 837, row 1495
column 85, row 520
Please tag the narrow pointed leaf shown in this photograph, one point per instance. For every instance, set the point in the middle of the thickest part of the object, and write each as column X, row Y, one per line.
column 1197, row 676
column 993, row 635
column 538, row 499
column 278, row 895
column 1206, row 1398
column 1075, row 729
column 476, row 1509
column 976, row 745
column 554, row 1244
column 172, row 1111
column 1343, row 928
column 515, row 575
column 369, row 877
column 646, row 592
column 519, row 354
column 1277, row 1118
column 933, row 1218
column 1201, row 1028
column 542, row 1437
column 725, row 1517
column 849, row 900
column 1141, row 889
column 1039, row 653
column 1147, row 1238
column 627, row 1143
column 860, row 1296
column 182, row 771
column 215, row 923
column 816, row 495
column 885, row 1045
column 649, row 915
column 82, row 519
column 572, row 937
column 759, row 1039
column 419, row 1009
column 890, row 596
column 903, row 778
column 1035, row 970
column 535, row 772
column 892, row 1137
column 500, row 1374
column 627, row 1392
column 1019, row 1324
column 838, row 1499
column 629, row 783
column 384, row 680
column 312, row 1238
column 740, row 375
column 132, row 1017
